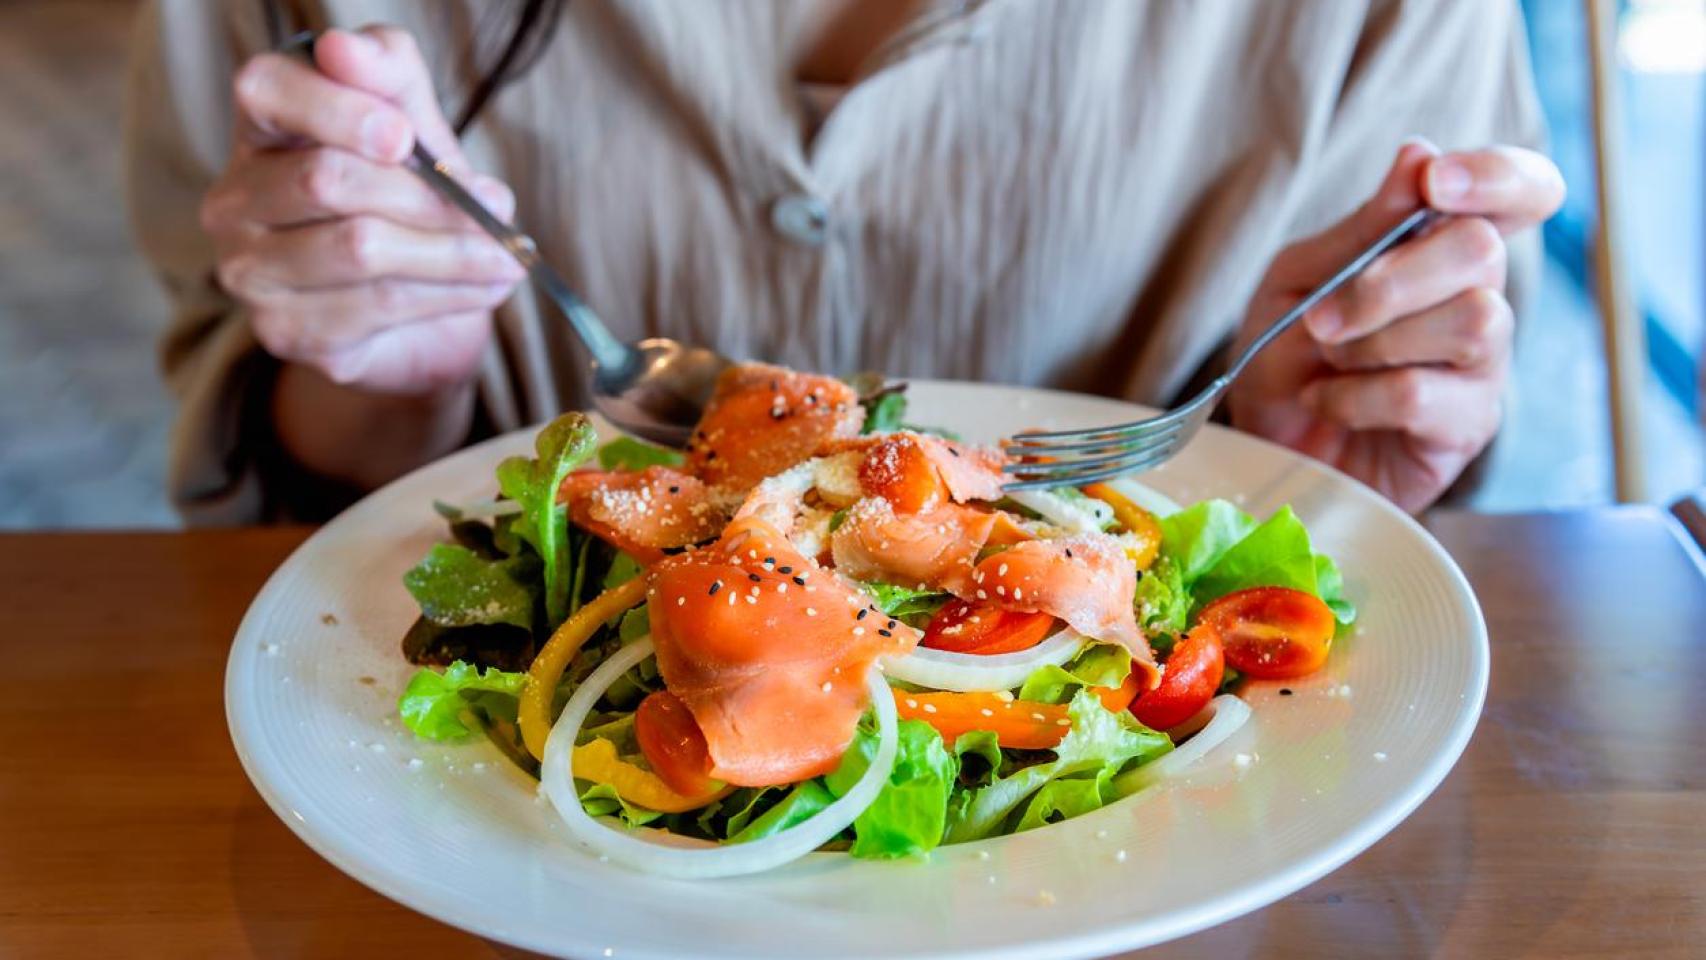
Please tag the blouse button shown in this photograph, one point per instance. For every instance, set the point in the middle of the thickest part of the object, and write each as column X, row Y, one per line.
column 801, row 218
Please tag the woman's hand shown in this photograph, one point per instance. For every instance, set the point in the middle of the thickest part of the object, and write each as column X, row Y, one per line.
column 1397, row 378
column 349, row 264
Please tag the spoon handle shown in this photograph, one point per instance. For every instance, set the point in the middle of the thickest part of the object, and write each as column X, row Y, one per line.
column 608, row 353
column 611, row 356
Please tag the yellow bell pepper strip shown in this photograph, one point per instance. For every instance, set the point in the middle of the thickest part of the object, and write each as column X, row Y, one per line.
column 548, row 666
column 1137, row 521
column 598, row 761
column 1021, row 724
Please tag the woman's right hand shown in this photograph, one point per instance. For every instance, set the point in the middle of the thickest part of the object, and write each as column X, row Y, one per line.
column 348, row 263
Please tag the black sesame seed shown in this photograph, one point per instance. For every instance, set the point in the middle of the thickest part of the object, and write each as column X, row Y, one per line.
column 784, row 569
column 715, row 586
column 884, row 633
column 755, row 578
column 953, row 451
column 712, row 455
column 1069, row 553
column 892, row 624
column 1285, row 691
column 674, row 489
column 800, row 580
column 861, row 615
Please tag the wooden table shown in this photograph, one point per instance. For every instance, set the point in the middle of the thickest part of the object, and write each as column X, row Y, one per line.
column 1575, row 824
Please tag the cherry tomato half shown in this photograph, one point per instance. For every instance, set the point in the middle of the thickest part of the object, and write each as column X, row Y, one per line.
column 962, row 627
column 1272, row 633
column 674, row 745
column 898, row 470
column 1188, row 682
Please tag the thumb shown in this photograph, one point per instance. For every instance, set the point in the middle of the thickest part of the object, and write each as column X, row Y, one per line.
column 1399, row 195
column 386, row 61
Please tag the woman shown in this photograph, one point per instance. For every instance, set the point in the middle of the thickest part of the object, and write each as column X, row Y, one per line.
column 1082, row 195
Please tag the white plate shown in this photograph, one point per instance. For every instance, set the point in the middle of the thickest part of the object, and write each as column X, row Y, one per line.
column 456, row 833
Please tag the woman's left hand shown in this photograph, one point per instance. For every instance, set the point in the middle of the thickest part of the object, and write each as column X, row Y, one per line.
column 1397, row 378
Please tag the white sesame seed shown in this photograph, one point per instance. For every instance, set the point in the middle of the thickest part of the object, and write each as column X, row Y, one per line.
column 1001, row 591
column 1001, row 571
column 987, row 712
column 811, row 611
column 681, row 601
column 1380, row 756
column 1038, row 716
column 1018, row 593
column 982, row 596
column 750, row 598
column 930, row 708
column 1063, row 722
column 912, row 703
column 858, row 631
column 827, row 686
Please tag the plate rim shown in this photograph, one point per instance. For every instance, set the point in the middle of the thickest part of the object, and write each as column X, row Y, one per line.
column 1115, row 937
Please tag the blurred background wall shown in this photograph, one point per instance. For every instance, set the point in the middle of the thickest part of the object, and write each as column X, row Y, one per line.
column 84, row 418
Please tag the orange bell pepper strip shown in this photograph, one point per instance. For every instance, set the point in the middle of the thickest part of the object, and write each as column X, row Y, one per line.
column 598, row 761
column 1021, row 724
column 1136, row 520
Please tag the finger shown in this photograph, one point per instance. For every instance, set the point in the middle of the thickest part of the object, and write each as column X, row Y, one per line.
column 1513, row 187
column 1471, row 331
column 282, row 101
column 363, row 248
column 386, row 62
column 294, row 187
column 410, row 360
column 1310, row 261
column 307, row 324
column 1441, row 407
column 1464, row 252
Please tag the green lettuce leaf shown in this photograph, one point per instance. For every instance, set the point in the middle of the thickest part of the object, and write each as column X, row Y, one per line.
column 805, row 800
column 602, row 800
column 905, row 602
column 885, row 414
column 909, row 814
column 623, row 568
column 1218, row 549
column 978, row 753
column 1196, row 537
column 1100, row 744
column 1163, row 603
column 433, row 705
column 561, row 446
column 1100, row 665
column 627, row 453
column 457, row 587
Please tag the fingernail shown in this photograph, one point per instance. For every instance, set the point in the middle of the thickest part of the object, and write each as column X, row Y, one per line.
column 384, row 136
column 495, row 195
column 1449, row 180
column 1324, row 323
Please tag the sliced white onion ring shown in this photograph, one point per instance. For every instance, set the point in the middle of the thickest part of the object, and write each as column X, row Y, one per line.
column 1230, row 713
column 685, row 859
column 1148, row 498
column 977, row 673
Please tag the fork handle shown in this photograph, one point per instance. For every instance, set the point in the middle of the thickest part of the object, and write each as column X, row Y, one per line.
column 611, row 356
column 1410, row 226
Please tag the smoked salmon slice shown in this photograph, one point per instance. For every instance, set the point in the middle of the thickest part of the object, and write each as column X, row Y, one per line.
column 936, row 549
column 642, row 512
column 1085, row 580
column 769, row 651
column 764, row 419
column 968, row 471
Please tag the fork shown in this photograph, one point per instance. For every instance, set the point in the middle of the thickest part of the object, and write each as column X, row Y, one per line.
column 1062, row 458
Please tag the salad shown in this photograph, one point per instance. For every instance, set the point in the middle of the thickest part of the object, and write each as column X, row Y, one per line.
column 822, row 627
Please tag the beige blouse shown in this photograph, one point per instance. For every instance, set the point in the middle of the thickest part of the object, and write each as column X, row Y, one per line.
column 1074, row 193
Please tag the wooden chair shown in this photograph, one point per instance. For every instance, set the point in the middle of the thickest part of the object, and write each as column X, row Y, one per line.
column 1625, row 335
